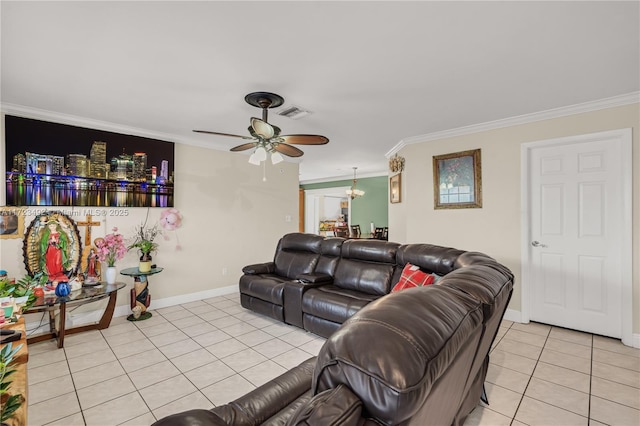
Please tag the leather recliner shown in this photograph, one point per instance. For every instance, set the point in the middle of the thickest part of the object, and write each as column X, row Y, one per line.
column 262, row 285
column 363, row 274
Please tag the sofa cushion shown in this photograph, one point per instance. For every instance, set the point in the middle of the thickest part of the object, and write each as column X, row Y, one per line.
column 297, row 254
column 334, row 303
column 267, row 288
column 330, row 250
column 428, row 257
column 412, row 276
column 420, row 332
column 366, row 266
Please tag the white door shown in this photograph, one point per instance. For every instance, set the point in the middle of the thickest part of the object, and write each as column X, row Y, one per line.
column 578, row 218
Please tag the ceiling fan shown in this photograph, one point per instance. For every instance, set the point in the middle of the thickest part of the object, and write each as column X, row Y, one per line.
column 265, row 137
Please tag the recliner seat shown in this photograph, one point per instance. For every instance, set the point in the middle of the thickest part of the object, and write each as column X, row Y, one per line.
column 262, row 285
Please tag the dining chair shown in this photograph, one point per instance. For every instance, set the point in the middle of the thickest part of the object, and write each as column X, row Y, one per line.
column 355, row 231
column 377, row 234
column 341, row 231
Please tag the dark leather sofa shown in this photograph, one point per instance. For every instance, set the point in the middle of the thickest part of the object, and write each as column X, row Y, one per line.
column 416, row 357
column 317, row 283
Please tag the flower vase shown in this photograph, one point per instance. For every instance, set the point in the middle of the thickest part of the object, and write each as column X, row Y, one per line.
column 110, row 275
column 145, row 263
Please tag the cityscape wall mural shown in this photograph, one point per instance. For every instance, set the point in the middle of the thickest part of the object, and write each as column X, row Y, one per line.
column 51, row 164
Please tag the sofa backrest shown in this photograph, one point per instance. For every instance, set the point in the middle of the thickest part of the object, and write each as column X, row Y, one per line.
column 366, row 266
column 430, row 258
column 403, row 352
column 297, row 253
column 330, row 250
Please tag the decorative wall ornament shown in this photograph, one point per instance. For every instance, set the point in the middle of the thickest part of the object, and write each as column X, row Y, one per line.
column 171, row 220
column 52, row 246
column 396, row 164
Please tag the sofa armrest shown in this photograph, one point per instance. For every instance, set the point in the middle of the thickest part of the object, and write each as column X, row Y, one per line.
column 196, row 417
column 260, row 268
column 315, row 278
column 336, row 406
column 267, row 400
column 293, row 293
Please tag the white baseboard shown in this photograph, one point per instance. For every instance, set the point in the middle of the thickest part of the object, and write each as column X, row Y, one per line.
column 32, row 321
column 513, row 315
column 635, row 340
column 516, row 316
column 124, row 310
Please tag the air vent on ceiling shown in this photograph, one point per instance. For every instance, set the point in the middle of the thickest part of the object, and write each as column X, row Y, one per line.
column 293, row 112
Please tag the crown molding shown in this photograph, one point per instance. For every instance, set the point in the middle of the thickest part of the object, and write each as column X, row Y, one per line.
column 612, row 102
column 346, row 177
column 73, row 120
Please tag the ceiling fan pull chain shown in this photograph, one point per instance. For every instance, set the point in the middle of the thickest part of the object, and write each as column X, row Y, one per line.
column 264, row 171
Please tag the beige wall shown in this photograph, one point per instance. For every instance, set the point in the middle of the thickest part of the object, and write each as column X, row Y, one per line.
column 231, row 218
column 495, row 228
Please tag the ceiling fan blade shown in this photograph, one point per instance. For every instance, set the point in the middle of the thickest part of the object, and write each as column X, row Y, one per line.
column 305, row 139
column 262, row 128
column 244, row 146
column 288, row 150
column 223, row 134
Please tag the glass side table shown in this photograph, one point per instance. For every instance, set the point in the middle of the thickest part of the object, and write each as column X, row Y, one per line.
column 140, row 297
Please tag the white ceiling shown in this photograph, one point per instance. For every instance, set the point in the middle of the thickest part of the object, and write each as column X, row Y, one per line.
column 372, row 73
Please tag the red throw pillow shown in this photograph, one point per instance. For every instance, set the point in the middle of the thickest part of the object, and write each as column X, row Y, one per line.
column 412, row 276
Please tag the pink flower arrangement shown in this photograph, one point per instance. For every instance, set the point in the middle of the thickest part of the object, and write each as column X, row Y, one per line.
column 111, row 247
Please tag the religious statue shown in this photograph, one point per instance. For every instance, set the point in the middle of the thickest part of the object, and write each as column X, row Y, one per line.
column 90, row 265
column 54, row 258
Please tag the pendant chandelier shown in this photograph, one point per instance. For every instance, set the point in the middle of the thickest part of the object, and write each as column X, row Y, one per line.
column 353, row 192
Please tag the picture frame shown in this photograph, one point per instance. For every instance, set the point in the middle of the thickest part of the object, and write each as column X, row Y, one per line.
column 49, row 234
column 11, row 222
column 457, row 180
column 395, row 188
column 54, row 164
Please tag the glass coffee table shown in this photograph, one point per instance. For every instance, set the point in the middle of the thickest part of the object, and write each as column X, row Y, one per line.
column 51, row 303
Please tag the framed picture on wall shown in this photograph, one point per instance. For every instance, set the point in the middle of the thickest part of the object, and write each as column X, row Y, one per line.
column 457, row 180
column 395, row 188
column 11, row 222
column 54, row 164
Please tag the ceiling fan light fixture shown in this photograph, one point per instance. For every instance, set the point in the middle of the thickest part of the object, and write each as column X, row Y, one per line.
column 276, row 158
column 254, row 160
column 261, row 153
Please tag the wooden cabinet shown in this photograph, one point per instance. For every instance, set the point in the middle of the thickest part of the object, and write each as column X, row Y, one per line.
column 19, row 378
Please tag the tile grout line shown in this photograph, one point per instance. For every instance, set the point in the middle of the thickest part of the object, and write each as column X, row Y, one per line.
column 170, row 361
column 590, row 382
column 530, row 377
column 127, row 374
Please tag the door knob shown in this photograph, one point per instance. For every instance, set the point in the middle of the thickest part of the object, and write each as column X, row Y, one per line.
column 537, row 244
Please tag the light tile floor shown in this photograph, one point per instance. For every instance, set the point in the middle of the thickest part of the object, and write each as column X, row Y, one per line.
column 209, row 352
